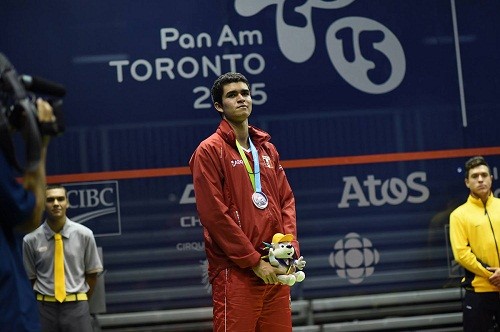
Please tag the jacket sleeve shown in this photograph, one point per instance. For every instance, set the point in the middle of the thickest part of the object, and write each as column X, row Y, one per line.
column 287, row 202
column 220, row 222
column 461, row 249
column 17, row 203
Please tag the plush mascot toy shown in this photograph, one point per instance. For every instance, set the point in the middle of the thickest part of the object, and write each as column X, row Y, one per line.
column 281, row 254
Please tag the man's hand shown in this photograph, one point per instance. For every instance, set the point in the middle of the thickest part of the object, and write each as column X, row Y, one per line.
column 34, row 180
column 44, row 111
column 495, row 278
column 266, row 272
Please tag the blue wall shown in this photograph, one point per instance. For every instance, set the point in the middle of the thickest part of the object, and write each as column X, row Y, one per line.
column 332, row 81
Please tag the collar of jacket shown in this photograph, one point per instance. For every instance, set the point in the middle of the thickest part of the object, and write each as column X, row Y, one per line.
column 478, row 202
column 257, row 135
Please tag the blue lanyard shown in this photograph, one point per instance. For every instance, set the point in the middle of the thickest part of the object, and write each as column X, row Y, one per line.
column 256, row 166
column 255, row 175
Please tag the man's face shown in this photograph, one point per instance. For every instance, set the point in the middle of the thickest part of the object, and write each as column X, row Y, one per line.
column 479, row 181
column 56, row 203
column 236, row 102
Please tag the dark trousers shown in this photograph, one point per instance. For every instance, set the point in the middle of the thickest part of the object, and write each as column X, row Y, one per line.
column 481, row 311
column 65, row 317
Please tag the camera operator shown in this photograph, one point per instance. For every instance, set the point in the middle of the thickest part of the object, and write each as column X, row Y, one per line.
column 21, row 207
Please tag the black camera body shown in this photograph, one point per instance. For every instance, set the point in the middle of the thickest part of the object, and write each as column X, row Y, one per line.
column 17, row 119
column 16, row 88
column 18, row 111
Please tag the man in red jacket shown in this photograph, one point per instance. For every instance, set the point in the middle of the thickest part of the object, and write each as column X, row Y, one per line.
column 243, row 198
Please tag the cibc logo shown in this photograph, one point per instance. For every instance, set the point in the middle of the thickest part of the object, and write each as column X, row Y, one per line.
column 95, row 204
column 393, row 191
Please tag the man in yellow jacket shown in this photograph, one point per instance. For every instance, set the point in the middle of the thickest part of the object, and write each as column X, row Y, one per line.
column 475, row 238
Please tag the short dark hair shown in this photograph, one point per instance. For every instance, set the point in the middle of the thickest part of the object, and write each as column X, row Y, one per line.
column 473, row 163
column 56, row 186
column 224, row 79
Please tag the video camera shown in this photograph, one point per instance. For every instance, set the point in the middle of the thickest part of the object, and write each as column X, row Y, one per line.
column 18, row 111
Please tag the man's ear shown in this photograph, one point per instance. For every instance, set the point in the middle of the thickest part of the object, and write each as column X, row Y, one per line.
column 218, row 107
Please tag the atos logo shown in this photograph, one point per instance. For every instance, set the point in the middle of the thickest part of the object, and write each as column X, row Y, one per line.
column 393, row 191
column 97, row 205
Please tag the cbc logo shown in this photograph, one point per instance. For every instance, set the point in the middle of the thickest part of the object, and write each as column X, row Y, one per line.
column 354, row 258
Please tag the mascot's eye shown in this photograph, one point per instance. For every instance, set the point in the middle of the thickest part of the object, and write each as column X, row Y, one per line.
column 282, row 246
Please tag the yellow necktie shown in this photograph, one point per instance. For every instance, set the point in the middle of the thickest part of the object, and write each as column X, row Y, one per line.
column 59, row 282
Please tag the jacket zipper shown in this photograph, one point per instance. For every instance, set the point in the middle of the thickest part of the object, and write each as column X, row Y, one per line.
column 238, row 218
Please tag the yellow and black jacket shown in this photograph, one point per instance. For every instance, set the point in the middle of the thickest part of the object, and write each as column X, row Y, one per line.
column 475, row 237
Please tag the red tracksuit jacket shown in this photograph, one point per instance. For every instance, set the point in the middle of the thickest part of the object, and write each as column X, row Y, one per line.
column 234, row 228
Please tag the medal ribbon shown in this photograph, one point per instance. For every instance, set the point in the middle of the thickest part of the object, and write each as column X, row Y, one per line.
column 255, row 175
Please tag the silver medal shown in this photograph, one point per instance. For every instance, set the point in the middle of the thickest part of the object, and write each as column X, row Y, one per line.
column 259, row 200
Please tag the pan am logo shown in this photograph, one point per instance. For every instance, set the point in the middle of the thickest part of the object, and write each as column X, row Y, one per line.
column 354, row 258
column 97, row 205
column 364, row 52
